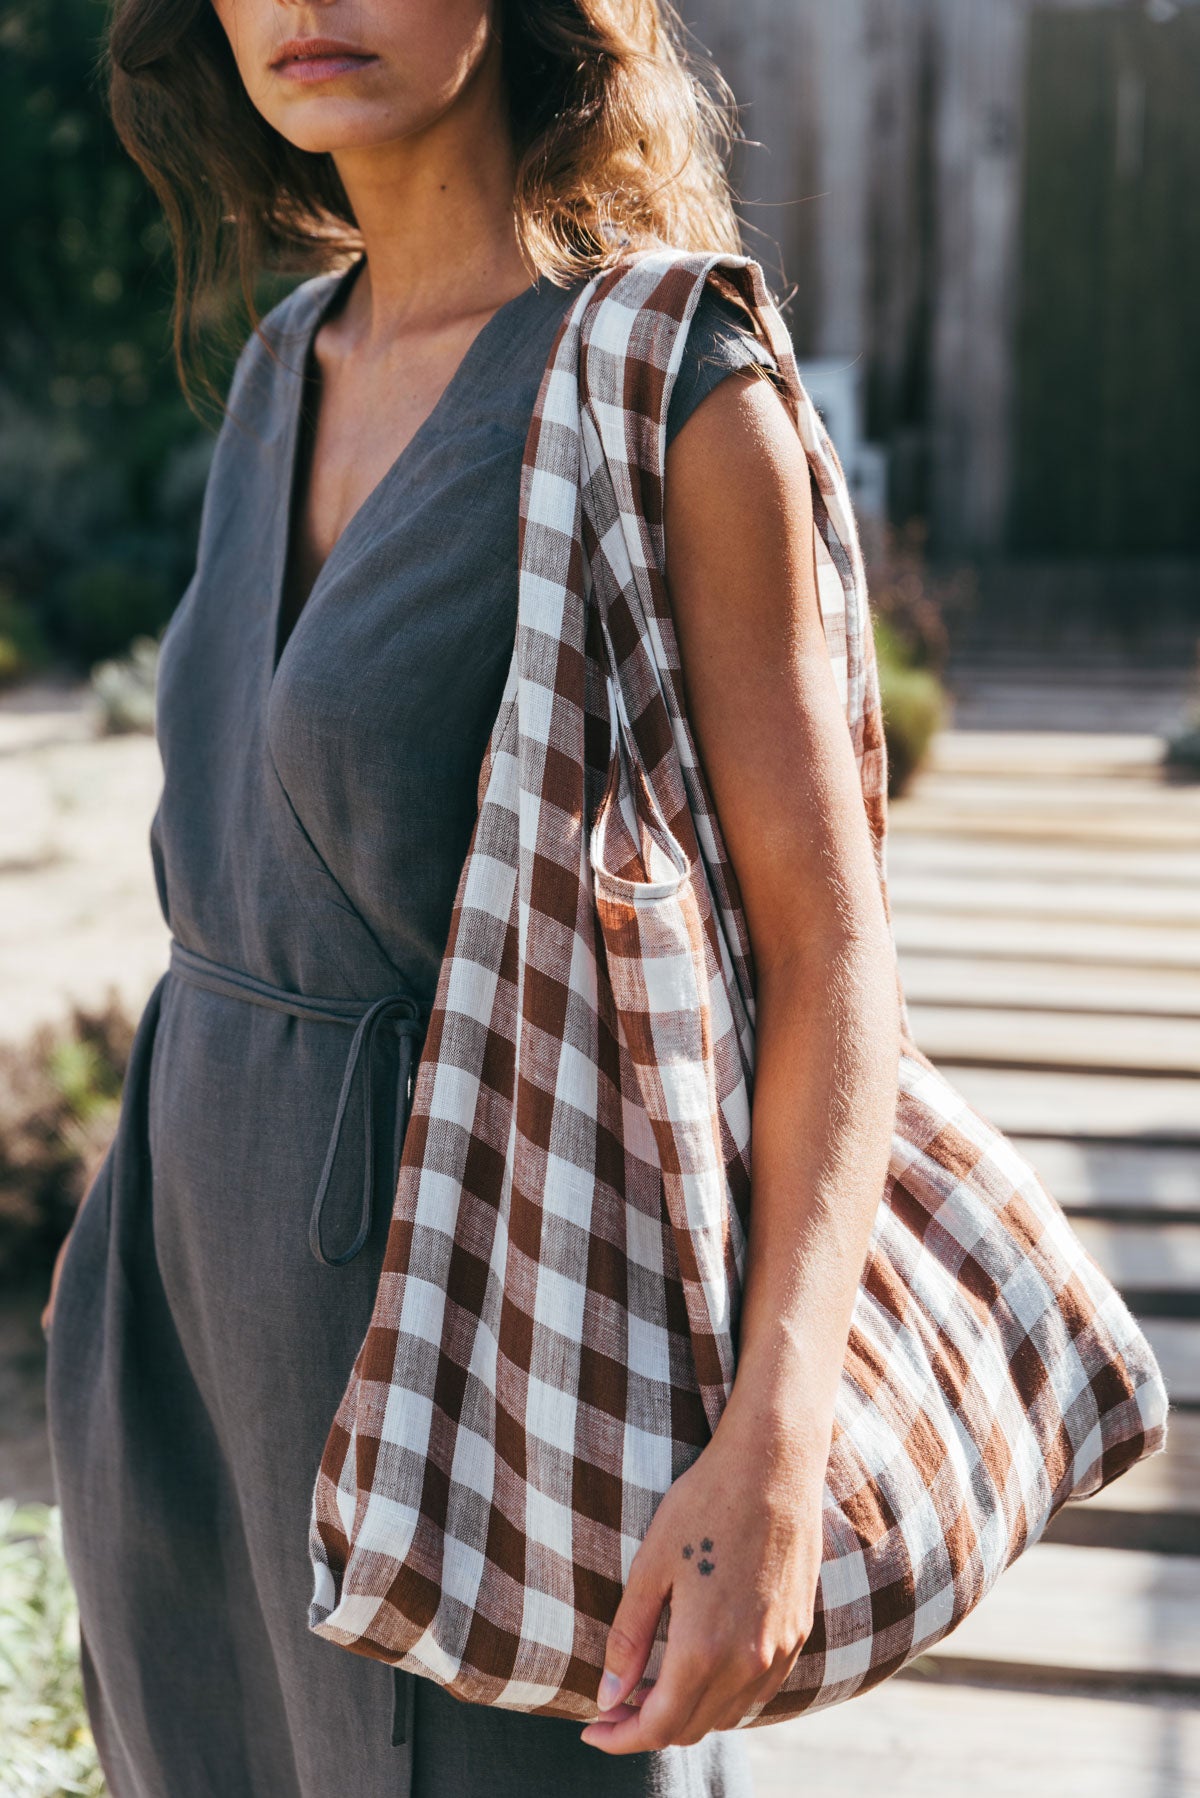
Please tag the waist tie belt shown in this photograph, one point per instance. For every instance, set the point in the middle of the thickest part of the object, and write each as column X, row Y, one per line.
column 408, row 1018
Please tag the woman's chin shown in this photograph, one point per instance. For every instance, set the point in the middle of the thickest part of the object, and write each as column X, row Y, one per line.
column 326, row 117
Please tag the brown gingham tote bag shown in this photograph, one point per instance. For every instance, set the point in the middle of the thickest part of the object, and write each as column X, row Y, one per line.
column 554, row 1336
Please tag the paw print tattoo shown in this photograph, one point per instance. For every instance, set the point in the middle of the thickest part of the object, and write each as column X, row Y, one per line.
column 704, row 1565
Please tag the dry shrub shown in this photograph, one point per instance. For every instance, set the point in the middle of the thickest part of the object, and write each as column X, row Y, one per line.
column 60, row 1095
column 920, row 604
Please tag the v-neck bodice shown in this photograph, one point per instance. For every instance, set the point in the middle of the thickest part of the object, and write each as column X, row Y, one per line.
column 302, row 432
column 317, row 809
column 329, row 297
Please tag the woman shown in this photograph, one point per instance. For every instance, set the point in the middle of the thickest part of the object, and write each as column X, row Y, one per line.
column 327, row 687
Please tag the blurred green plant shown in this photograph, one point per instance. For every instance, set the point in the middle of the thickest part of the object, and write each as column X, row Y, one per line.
column 912, row 608
column 1181, row 752
column 1181, row 748
column 102, row 463
column 90, row 413
column 914, row 707
column 125, row 688
column 48, row 1746
column 96, row 609
column 919, row 603
column 60, row 1094
column 23, row 648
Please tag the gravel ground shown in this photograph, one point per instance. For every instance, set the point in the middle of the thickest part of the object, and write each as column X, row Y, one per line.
column 78, row 909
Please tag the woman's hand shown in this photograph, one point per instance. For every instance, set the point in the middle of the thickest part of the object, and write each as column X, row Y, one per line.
column 735, row 1548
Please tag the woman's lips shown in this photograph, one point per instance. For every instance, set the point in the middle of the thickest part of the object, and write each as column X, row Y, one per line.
column 323, row 67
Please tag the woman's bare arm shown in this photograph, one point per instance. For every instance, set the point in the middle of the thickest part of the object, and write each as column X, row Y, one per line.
column 735, row 1544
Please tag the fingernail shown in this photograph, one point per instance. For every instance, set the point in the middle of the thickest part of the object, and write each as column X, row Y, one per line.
column 610, row 1691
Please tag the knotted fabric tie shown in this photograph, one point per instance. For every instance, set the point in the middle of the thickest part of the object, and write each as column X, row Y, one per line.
column 400, row 1010
column 403, row 1012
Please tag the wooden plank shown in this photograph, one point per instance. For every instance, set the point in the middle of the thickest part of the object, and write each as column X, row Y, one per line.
column 918, row 1737
column 1176, row 1344
column 1111, row 1107
column 1125, row 667
column 1055, row 940
column 1103, row 1526
column 1158, row 1257
column 1004, row 660
column 1175, row 906
column 1038, row 752
column 1127, row 1178
column 1169, row 1481
column 1087, row 1614
column 1060, row 789
column 911, row 852
column 978, row 706
column 1155, row 1505
column 995, row 1037
column 1043, row 768
column 1104, row 988
column 988, row 819
column 1078, row 804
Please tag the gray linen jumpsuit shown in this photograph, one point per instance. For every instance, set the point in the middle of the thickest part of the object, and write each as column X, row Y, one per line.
column 317, row 803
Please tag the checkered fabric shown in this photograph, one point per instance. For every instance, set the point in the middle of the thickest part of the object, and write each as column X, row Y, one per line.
column 554, row 1335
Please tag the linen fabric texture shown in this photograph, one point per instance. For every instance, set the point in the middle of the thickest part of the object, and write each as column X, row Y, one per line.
column 554, row 1334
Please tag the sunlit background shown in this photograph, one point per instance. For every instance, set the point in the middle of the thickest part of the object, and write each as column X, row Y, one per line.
column 982, row 221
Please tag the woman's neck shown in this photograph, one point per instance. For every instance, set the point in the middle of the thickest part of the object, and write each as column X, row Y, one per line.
column 435, row 212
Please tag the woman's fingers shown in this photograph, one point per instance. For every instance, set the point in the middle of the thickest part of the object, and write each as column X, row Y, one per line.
column 717, row 1686
column 667, row 1705
column 633, row 1629
column 760, row 1692
column 705, row 1683
column 688, row 1672
column 711, row 1697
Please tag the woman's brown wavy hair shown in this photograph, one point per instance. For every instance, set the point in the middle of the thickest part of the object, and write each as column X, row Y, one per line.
column 621, row 142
